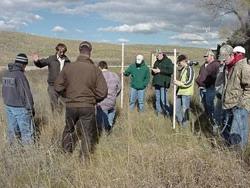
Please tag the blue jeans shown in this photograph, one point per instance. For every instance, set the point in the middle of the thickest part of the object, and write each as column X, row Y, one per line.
column 19, row 122
column 182, row 109
column 207, row 99
column 134, row 95
column 219, row 112
column 236, row 126
column 161, row 103
column 105, row 118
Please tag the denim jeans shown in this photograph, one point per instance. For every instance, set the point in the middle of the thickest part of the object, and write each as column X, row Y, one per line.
column 182, row 109
column 219, row 112
column 161, row 103
column 137, row 94
column 105, row 118
column 207, row 99
column 236, row 126
column 19, row 122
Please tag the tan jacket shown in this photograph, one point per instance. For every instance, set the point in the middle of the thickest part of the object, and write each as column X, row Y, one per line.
column 237, row 87
column 82, row 83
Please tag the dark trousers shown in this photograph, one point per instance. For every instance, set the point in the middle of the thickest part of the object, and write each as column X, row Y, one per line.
column 56, row 104
column 80, row 125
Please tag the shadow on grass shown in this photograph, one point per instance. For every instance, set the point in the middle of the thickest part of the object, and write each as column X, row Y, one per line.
column 39, row 122
column 201, row 123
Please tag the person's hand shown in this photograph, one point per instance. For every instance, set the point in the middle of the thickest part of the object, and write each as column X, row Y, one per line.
column 35, row 57
column 177, row 82
column 156, row 70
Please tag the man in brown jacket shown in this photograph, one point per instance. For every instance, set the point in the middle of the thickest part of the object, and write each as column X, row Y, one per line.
column 83, row 85
column 236, row 99
column 55, row 64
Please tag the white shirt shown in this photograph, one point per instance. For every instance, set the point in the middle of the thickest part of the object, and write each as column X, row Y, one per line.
column 61, row 62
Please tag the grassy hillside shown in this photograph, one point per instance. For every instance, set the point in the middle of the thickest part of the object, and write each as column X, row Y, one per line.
column 142, row 151
column 12, row 43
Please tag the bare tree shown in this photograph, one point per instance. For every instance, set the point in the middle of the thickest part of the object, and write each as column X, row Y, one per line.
column 239, row 8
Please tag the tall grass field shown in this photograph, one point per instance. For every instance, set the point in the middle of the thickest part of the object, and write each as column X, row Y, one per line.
column 143, row 150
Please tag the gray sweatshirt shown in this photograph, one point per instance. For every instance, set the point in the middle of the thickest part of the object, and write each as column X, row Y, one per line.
column 15, row 88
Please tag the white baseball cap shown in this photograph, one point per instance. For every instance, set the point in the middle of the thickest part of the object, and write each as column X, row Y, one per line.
column 239, row 49
column 139, row 59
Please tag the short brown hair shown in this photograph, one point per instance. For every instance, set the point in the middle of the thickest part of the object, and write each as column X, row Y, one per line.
column 103, row 65
column 85, row 46
column 61, row 45
column 181, row 58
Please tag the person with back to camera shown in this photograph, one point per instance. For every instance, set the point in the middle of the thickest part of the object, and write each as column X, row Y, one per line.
column 83, row 85
column 106, row 109
column 18, row 100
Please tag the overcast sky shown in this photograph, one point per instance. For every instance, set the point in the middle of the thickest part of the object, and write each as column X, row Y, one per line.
column 168, row 22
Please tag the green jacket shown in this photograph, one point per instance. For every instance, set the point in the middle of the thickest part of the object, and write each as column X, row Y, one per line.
column 140, row 75
column 163, row 78
column 187, row 80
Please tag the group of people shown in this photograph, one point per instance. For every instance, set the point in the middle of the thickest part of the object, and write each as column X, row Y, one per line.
column 80, row 85
column 162, row 71
column 224, row 86
column 224, row 89
column 140, row 76
column 89, row 93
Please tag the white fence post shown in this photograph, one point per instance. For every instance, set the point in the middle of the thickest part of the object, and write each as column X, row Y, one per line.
column 122, row 77
column 174, row 94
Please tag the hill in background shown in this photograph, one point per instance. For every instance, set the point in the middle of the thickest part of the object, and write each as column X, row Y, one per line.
column 12, row 43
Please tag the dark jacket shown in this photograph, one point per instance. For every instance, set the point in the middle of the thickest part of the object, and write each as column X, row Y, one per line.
column 15, row 88
column 53, row 67
column 220, row 81
column 207, row 74
column 82, row 82
column 163, row 78
column 140, row 75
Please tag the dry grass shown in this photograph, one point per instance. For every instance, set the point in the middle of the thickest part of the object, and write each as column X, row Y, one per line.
column 142, row 151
